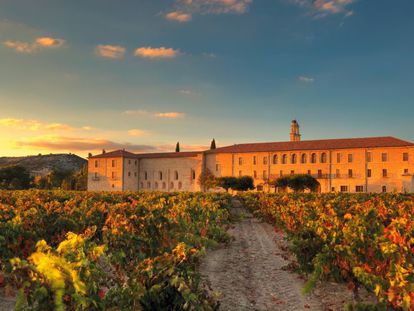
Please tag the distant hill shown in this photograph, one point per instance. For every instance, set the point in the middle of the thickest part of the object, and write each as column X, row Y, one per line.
column 41, row 165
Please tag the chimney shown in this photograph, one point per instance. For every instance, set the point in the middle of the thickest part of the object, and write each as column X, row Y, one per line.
column 294, row 131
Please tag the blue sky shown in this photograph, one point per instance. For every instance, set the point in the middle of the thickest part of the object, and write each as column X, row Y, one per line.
column 79, row 75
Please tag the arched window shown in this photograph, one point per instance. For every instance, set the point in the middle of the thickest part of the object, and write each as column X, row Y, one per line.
column 171, row 185
column 193, row 174
column 145, row 175
column 149, row 185
column 176, row 175
column 180, row 185
column 265, row 160
column 160, row 175
column 156, row 185
column 323, row 157
column 275, row 159
column 293, row 159
column 284, row 159
column 255, row 174
column 142, row 185
column 164, row 185
column 303, row 158
column 384, row 189
column 313, row 158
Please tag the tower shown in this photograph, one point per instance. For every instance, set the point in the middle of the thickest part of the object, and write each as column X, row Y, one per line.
column 294, row 131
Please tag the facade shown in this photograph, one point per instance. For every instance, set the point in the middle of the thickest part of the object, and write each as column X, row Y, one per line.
column 376, row 164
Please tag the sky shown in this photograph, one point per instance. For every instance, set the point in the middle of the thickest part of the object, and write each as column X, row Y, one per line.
column 81, row 75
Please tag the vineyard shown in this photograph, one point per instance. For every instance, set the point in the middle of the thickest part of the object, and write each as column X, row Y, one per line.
column 364, row 240
column 100, row 251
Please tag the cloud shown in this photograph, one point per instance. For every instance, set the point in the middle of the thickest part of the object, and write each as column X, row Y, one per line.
column 110, row 51
column 31, row 47
column 186, row 92
column 36, row 125
column 137, row 132
column 74, row 144
column 214, row 6
column 137, row 112
column 322, row 8
column 183, row 147
column 156, row 53
column 170, row 115
column 178, row 16
column 306, row 79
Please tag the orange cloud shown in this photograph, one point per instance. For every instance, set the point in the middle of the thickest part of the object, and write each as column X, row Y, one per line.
column 170, row 115
column 110, row 51
column 214, row 6
column 154, row 53
column 35, row 125
column 137, row 132
column 30, row 47
column 178, row 16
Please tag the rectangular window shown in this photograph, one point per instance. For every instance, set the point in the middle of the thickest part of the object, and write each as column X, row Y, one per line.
column 129, row 174
column 129, row 161
column 338, row 158
column 135, row 174
column 406, row 171
column 292, row 172
column 350, row 158
column 319, row 173
column 264, row 174
column 350, row 173
column 255, row 174
column 96, row 163
column 344, row 188
column 217, row 167
column 113, row 163
column 136, row 162
column 281, row 173
column 384, row 173
column 265, row 160
column 240, row 174
column 333, row 189
column 309, row 172
column 369, row 173
column 96, row 175
column 338, row 173
column 359, row 189
column 369, row 157
column 113, row 175
column 405, row 156
column 254, row 160
column 240, row 161
column 384, row 157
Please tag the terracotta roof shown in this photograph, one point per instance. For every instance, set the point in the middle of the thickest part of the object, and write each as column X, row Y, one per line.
column 325, row 144
column 169, row 155
column 115, row 154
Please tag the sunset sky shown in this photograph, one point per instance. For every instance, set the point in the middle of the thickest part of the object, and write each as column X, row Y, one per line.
column 82, row 75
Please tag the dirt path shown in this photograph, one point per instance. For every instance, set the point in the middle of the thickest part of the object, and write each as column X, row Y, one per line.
column 249, row 272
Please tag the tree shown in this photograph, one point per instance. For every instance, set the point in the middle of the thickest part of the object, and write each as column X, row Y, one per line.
column 226, row 182
column 15, row 178
column 177, row 147
column 298, row 183
column 236, row 183
column 213, row 144
column 207, row 180
column 282, row 183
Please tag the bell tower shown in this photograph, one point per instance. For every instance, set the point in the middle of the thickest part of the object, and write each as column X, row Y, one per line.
column 294, row 131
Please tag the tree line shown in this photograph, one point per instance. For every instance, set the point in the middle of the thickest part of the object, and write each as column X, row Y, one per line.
column 19, row 178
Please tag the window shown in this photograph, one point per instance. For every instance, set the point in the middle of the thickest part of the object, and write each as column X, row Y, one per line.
column 275, row 159
column 359, row 188
column 281, row 173
column 344, row 188
column 240, row 161
column 369, row 157
column 217, row 167
column 255, row 174
column 180, row 185
column 313, row 158
column 193, row 174
column 129, row 161
column 292, row 172
column 369, row 173
column 164, row 185
column 384, row 189
column 113, row 175
column 136, row 162
column 338, row 173
column 350, row 173
column 405, row 156
column 350, row 158
column 384, row 157
column 333, row 189
column 156, row 185
column 265, row 160
column 96, row 176
column 129, row 174
column 113, row 163
column 264, row 174
column 240, row 174
column 149, row 185
column 405, row 171
column 142, row 185
column 319, row 173
column 284, row 159
column 113, row 186
column 254, row 160
column 171, row 185
column 293, row 159
column 146, row 175
column 323, row 157
column 160, row 175
column 309, row 172
column 135, row 174
column 338, row 158
column 176, row 175
column 384, row 173
column 303, row 158
column 96, row 163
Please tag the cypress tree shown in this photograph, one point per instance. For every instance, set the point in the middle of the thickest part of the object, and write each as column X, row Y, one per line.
column 213, row 144
column 177, row 147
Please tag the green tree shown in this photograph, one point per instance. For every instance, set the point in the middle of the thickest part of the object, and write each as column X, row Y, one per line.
column 177, row 147
column 298, row 183
column 207, row 180
column 15, row 178
column 226, row 182
column 213, row 144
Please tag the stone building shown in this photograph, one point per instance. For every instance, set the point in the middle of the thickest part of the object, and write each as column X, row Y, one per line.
column 376, row 164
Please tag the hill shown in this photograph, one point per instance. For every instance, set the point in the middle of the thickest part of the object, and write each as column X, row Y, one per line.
column 41, row 165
